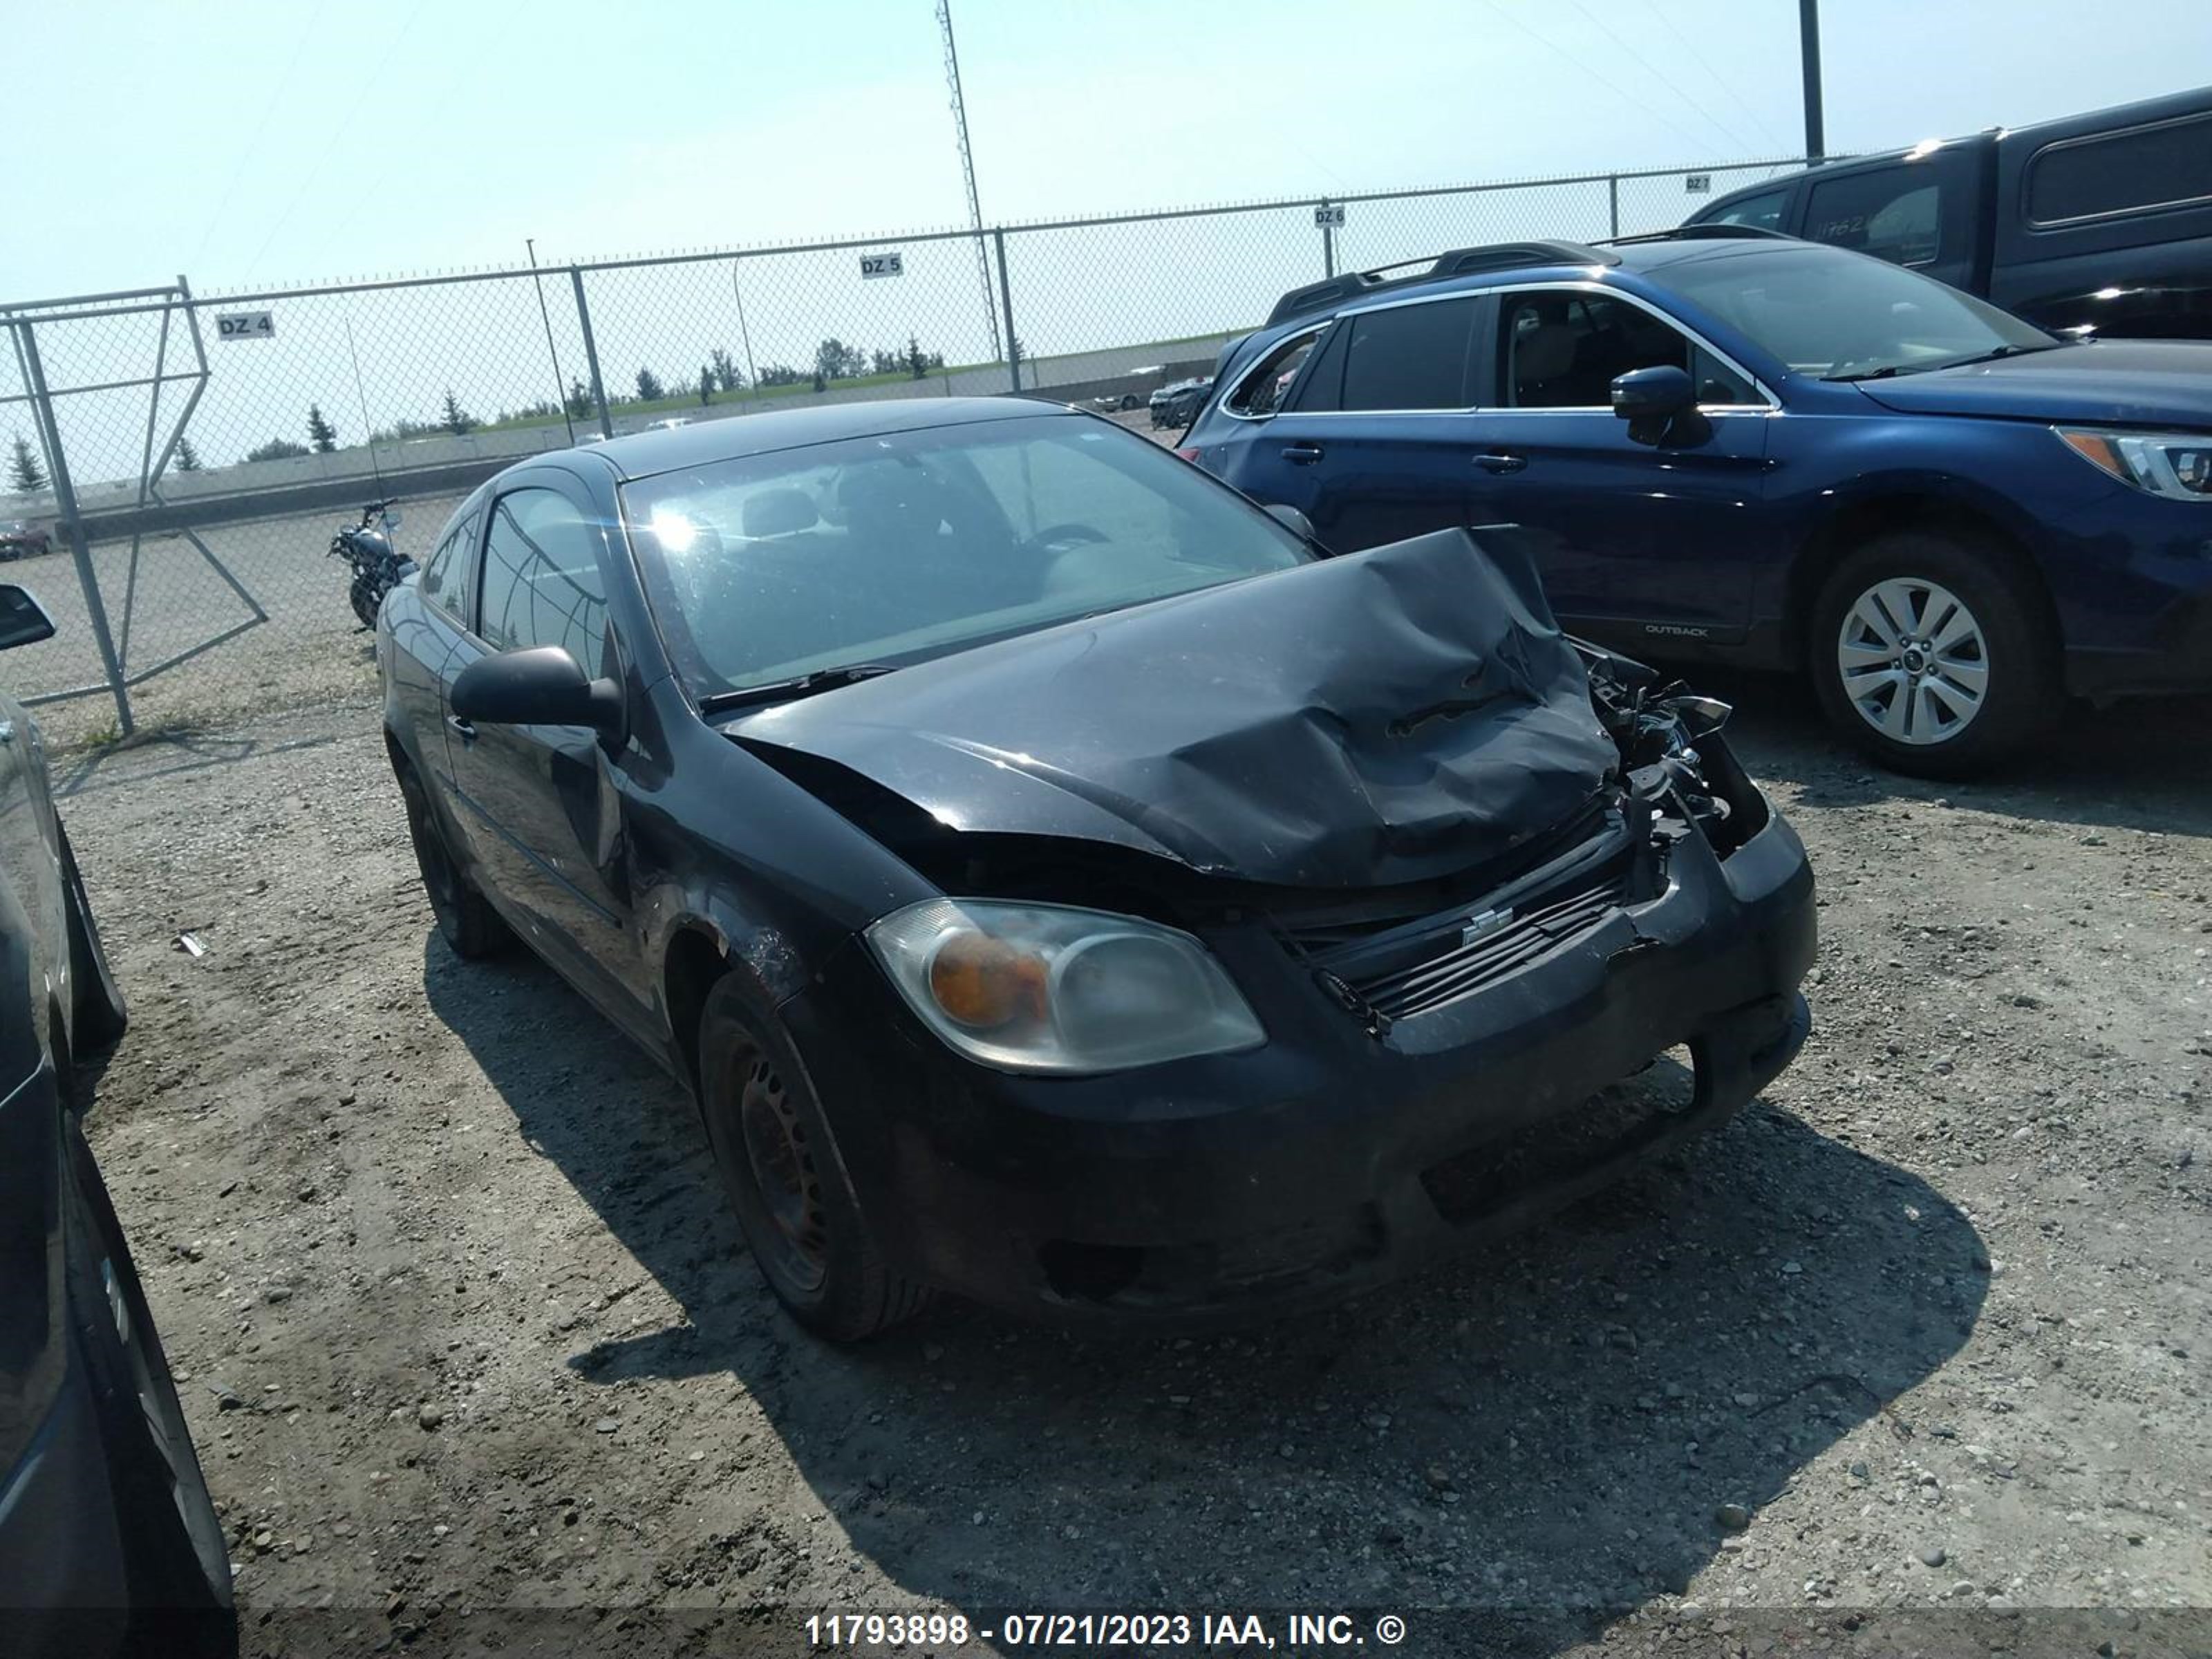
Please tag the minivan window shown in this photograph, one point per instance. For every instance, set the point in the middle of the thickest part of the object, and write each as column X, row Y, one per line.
column 1263, row 390
column 1892, row 213
column 1762, row 212
column 2138, row 170
column 1412, row 356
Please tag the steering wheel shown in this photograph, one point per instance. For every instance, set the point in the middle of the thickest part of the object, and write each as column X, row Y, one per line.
column 1055, row 535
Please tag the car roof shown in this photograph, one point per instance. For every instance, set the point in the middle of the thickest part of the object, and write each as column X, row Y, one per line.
column 643, row 454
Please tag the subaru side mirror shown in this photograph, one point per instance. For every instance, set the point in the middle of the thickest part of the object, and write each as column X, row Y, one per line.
column 1660, row 405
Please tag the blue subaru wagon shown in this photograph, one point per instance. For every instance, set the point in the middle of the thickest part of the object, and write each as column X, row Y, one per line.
column 1725, row 445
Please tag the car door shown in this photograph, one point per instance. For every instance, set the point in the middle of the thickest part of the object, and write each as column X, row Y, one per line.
column 1650, row 541
column 1380, row 421
column 424, row 638
column 540, row 805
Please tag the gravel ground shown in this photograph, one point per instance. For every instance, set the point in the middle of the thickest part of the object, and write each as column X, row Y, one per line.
column 1913, row 1350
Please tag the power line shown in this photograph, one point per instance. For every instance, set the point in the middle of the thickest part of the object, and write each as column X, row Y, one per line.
column 246, row 150
column 1597, row 75
column 1781, row 145
column 1659, row 76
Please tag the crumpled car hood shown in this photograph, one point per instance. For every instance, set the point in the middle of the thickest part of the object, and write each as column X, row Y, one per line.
column 1390, row 716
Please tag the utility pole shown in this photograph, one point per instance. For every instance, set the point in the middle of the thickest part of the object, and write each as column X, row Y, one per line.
column 968, row 169
column 1808, row 45
column 560, row 386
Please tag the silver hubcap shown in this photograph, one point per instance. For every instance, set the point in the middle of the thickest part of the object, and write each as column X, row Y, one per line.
column 1913, row 662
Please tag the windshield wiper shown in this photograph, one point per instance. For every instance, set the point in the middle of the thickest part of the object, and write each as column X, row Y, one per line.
column 801, row 685
column 1889, row 369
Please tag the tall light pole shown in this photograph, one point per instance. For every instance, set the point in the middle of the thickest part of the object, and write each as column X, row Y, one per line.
column 1808, row 47
column 560, row 386
column 967, row 167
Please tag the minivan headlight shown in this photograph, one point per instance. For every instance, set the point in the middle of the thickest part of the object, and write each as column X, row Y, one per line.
column 1050, row 987
column 2178, row 464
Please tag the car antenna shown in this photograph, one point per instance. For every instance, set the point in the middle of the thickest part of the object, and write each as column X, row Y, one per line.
column 362, row 392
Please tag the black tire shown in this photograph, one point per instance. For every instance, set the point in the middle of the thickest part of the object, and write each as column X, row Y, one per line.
column 98, row 1015
column 175, row 1554
column 466, row 920
column 1905, row 711
column 780, row 1167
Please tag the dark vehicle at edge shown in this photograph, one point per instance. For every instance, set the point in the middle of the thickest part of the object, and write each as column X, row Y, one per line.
column 108, row 1542
column 1723, row 445
column 2101, row 221
column 18, row 540
column 1178, row 404
column 1060, row 882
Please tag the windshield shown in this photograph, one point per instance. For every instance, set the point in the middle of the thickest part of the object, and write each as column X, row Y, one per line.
column 891, row 548
column 1844, row 316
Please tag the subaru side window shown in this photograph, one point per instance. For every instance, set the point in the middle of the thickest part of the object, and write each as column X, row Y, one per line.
column 1892, row 213
column 1562, row 349
column 445, row 580
column 1760, row 212
column 541, row 579
column 1262, row 390
column 1411, row 357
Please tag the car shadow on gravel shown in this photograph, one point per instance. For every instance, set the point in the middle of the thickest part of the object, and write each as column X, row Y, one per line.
column 2139, row 765
column 1540, row 1437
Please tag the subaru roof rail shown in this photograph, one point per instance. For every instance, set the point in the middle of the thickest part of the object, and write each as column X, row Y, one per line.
column 1704, row 234
column 1458, row 261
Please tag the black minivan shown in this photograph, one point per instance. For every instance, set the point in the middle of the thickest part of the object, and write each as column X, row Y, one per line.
column 2101, row 221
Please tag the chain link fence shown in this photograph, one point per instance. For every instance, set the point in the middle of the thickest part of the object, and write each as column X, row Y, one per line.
column 179, row 461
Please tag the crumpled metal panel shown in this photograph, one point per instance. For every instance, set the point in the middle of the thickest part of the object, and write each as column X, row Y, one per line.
column 1392, row 716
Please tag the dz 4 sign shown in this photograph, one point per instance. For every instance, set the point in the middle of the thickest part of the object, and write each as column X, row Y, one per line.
column 883, row 265
column 247, row 325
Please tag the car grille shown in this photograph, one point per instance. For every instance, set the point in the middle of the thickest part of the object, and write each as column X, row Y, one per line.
column 1425, row 964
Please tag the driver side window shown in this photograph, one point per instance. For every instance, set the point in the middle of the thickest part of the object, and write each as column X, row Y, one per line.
column 1563, row 349
column 541, row 579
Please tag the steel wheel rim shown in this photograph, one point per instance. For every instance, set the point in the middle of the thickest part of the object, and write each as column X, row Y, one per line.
column 780, row 1162
column 1913, row 662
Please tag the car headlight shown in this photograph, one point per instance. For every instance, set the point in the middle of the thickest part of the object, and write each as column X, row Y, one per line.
column 1049, row 987
column 2171, row 463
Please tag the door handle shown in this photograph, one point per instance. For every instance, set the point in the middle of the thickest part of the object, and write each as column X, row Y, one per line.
column 1302, row 454
column 467, row 731
column 1494, row 462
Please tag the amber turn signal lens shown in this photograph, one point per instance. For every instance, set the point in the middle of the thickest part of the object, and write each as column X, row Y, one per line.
column 983, row 982
column 2095, row 447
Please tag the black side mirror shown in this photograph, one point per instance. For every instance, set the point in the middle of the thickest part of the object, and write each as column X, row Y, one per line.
column 1660, row 405
column 1291, row 520
column 541, row 686
column 23, row 620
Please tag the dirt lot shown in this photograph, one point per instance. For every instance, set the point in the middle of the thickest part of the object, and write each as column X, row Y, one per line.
column 1914, row 1349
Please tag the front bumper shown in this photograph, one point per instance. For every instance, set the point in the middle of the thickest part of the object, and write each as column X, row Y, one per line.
column 2131, row 577
column 1329, row 1160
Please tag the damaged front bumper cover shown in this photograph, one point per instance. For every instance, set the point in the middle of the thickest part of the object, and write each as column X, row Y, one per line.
column 1339, row 1155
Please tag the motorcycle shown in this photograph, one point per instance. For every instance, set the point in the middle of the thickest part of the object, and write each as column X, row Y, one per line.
column 378, row 568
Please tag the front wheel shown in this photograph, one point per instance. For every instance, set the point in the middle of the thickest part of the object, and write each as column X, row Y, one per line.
column 780, row 1167
column 1927, row 653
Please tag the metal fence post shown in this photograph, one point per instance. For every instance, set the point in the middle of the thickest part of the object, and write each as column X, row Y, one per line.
column 1006, row 311
column 1327, row 241
column 1612, row 199
column 591, row 352
column 49, row 434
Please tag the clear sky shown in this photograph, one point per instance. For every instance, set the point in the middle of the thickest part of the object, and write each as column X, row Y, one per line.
column 264, row 141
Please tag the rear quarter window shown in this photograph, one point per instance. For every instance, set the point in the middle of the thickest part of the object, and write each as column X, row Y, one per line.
column 1262, row 390
column 2167, row 164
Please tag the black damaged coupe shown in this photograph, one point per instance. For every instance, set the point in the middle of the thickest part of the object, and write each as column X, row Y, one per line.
column 1062, row 882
